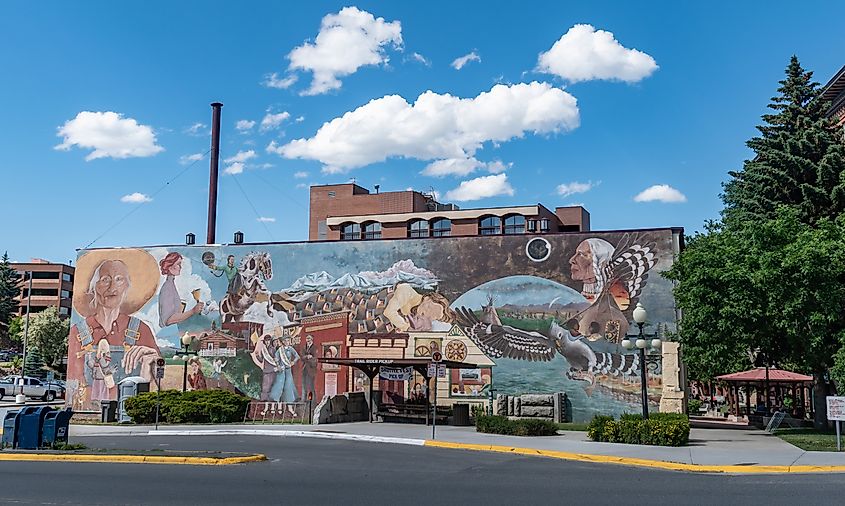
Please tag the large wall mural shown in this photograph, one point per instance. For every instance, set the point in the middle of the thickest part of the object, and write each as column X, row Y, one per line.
column 536, row 313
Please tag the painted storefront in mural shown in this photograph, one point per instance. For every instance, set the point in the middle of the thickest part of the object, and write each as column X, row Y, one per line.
column 535, row 313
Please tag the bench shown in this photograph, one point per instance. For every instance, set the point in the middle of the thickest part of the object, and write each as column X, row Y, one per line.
column 411, row 412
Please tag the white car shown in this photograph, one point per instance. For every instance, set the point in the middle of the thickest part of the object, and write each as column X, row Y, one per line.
column 32, row 387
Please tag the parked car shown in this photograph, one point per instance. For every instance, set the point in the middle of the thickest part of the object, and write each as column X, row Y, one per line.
column 32, row 387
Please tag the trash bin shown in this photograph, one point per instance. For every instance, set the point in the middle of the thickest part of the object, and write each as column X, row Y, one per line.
column 10, row 428
column 108, row 411
column 29, row 428
column 56, row 425
column 460, row 415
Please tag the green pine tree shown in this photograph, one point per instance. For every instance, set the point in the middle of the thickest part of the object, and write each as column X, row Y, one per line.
column 34, row 364
column 798, row 161
column 9, row 289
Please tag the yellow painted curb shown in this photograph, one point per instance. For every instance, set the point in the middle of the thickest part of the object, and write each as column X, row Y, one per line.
column 630, row 461
column 130, row 459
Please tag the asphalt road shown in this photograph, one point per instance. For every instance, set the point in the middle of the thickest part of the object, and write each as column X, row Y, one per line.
column 313, row 471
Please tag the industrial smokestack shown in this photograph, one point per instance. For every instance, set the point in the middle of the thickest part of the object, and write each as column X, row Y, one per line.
column 213, row 170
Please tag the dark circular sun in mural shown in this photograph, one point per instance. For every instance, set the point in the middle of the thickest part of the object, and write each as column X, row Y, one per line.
column 538, row 249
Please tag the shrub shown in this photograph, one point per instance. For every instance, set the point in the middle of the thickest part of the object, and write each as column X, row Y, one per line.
column 518, row 427
column 693, row 406
column 198, row 406
column 661, row 429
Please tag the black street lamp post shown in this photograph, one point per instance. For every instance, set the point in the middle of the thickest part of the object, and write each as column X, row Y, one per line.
column 186, row 355
column 642, row 343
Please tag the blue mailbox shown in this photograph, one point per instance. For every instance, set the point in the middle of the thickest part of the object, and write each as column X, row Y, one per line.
column 29, row 426
column 10, row 428
column 56, row 425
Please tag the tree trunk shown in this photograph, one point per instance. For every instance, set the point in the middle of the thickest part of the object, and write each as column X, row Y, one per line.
column 820, row 392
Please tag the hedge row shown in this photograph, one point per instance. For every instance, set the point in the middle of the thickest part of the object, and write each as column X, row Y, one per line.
column 198, row 406
column 518, row 427
column 661, row 429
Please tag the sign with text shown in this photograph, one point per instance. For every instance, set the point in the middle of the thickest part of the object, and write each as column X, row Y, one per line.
column 836, row 408
column 438, row 370
column 396, row 373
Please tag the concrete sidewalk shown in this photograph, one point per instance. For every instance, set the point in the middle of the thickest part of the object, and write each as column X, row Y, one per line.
column 708, row 447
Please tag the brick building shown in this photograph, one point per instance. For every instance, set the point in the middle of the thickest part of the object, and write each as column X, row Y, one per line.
column 350, row 212
column 52, row 285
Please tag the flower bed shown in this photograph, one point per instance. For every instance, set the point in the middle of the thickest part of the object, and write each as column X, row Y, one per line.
column 661, row 429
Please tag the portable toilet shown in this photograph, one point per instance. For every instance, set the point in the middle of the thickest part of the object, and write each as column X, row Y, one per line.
column 129, row 387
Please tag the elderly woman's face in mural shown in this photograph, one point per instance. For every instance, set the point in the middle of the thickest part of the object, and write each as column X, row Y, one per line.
column 111, row 288
column 581, row 263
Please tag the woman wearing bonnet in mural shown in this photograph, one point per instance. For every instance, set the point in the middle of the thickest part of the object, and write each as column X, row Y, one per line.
column 613, row 278
column 106, row 340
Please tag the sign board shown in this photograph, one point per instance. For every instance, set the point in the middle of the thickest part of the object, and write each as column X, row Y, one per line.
column 396, row 373
column 160, row 362
column 436, row 356
column 159, row 372
column 51, row 376
column 836, row 408
column 217, row 352
column 438, row 370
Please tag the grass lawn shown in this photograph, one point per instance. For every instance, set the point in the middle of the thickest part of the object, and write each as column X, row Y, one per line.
column 810, row 439
column 581, row 427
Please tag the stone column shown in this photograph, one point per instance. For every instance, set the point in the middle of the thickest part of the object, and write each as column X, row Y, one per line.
column 673, row 397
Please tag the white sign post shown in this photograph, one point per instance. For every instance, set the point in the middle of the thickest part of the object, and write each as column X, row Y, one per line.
column 836, row 412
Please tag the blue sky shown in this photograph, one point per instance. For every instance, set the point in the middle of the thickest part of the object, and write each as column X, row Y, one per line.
column 676, row 112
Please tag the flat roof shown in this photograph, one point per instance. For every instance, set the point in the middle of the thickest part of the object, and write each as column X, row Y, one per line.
column 452, row 215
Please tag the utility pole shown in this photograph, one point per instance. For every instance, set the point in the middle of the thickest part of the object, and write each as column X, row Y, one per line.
column 25, row 336
column 213, row 172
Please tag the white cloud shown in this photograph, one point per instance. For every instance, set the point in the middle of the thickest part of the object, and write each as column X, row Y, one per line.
column 300, row 175
column 241, row 156
column 136, row 198
column 197, row 130
column 109, row 135
column 235, row 168
column 435, row 127
column 273, row 121
column 660, row 193
column 300, row 119
column 421, row 59
column 567, row 189
column 264, row 219
column 346, row 42
column 584, row 53
column 188, row 159
column 458, row 63
column 498, row 166
column 480, row 188
column 273, row 81
column 451, row 167
column 301, row 185
column 244, row 125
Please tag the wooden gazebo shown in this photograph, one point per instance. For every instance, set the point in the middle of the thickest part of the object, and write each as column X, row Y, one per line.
column 772, row 384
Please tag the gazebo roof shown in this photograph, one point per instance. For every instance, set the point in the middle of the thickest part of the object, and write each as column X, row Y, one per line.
column 758, row 374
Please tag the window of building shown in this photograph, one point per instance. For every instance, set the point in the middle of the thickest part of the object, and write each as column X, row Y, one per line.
column 441, row 227
column 65, row 294
column 372, row 230
column 45, row 275
column 350, row 232
column 418, row 228
column 66, row 277
column 41, row 292
column 490, row 225
column 321, row 230
column 544, row 225
column 331, row 195
column 531, row 225
column 515, row 224
column 64, row 311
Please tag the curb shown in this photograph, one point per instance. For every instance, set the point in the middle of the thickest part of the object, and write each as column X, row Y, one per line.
column 290, row 433
column 131, row 459
column 630, row 461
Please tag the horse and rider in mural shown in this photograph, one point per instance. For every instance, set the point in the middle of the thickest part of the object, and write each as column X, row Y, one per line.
column 247, row 286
